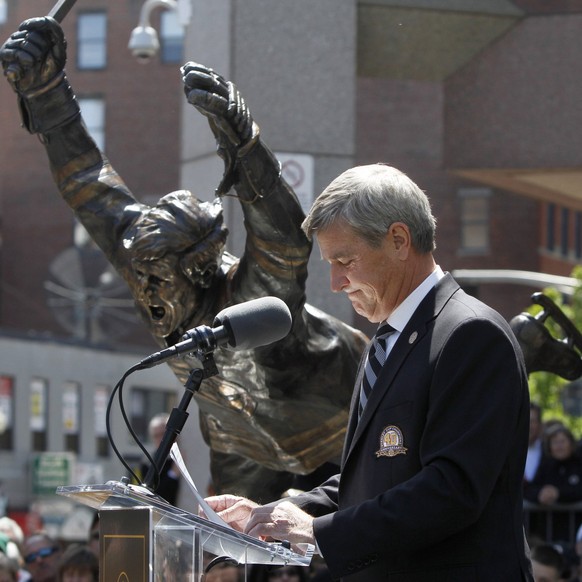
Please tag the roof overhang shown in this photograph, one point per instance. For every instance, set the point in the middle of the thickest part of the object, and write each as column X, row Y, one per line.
column 562, row 186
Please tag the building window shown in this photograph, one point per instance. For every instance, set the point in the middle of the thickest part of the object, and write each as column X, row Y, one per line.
column 171, row 37
column 100, row 402
column 6, row 413
column 565, row 232
column 92, row 41
column 578, row 235
column 93, row 111
column 71, row 416
column 474, row 203
column 38, row 413
column 550, row 227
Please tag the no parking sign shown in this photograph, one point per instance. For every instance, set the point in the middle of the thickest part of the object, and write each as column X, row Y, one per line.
column 297, row 169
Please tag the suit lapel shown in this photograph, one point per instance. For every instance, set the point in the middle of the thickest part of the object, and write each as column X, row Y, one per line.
column 410, row 337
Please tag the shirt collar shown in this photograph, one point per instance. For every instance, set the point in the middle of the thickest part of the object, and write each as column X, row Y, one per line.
column 402, row 314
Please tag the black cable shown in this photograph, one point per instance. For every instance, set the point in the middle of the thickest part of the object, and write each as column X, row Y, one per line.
column 119, row 390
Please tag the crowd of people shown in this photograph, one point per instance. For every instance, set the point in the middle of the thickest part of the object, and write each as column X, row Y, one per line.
column 552, row 491
column 40, row 557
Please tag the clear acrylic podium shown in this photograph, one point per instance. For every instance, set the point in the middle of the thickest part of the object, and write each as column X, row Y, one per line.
column 145, row 539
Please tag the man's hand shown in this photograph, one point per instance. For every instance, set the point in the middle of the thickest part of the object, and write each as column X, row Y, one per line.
column 34, row 55
column 284, row 522
column 233, row 509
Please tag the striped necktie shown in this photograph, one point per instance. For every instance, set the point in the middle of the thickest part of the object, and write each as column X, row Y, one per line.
column 374, row 363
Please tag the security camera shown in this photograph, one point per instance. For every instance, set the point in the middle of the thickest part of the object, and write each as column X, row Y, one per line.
column 144, row 43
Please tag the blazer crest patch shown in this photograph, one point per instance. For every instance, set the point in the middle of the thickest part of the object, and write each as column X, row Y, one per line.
column 391, row 442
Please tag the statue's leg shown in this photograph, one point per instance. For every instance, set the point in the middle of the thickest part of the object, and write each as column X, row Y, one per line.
column 240, row 476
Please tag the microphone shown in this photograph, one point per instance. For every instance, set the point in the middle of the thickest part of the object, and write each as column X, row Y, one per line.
column 244, row 326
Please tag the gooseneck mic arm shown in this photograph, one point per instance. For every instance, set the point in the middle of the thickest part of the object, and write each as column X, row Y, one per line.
column 174, row 426
column 202, row 338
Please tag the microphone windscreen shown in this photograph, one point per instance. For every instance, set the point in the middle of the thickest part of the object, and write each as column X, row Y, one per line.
column 255, row 323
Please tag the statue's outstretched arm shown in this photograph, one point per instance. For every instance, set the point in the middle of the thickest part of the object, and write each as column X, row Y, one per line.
column 277, row 251
column 33, row 60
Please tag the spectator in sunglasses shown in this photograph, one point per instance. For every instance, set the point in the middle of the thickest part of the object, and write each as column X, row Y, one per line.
column 41, row 557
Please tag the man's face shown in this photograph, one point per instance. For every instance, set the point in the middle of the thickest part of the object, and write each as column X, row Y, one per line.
column 41, row 559
column 163, row 294
column 372, row 277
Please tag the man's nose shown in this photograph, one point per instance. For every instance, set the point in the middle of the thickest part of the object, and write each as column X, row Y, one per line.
column 337, row 279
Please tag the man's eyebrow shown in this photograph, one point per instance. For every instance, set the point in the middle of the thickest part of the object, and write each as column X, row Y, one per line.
column 340, row 255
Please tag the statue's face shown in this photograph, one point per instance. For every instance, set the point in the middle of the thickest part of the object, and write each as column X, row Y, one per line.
column 165, row 297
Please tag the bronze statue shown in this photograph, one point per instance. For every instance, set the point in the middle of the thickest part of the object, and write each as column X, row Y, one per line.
column 272, row 412
column 543, row 352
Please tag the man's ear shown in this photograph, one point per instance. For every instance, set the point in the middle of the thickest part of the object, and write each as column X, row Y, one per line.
column 400, row 237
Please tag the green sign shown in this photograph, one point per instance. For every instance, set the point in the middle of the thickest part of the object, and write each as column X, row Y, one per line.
column 49, row 471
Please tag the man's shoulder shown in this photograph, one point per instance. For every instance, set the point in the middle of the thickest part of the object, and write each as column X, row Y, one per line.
column 468, row 306
column 455, row 304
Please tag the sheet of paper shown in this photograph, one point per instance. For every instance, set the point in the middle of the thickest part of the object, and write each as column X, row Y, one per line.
column 211, row 515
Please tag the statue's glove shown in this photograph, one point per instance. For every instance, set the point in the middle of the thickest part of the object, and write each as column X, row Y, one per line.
column 33, row 60
column 228, row 115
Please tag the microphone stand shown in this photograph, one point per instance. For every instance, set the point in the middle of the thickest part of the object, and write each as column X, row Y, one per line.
column 178, row 416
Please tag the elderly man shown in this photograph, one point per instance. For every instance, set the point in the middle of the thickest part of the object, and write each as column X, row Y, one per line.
column 430, row 482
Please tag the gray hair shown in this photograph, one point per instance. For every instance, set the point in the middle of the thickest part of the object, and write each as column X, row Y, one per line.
column 370, row 199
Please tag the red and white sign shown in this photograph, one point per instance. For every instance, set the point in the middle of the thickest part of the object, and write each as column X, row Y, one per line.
column 297, row 169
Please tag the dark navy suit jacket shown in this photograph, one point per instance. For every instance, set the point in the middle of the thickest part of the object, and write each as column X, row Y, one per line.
column 431, row 475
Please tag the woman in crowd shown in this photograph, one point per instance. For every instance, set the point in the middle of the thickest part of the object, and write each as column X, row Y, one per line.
column 558, row 479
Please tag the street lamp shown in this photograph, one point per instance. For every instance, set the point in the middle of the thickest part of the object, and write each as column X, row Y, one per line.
column 143, row 42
